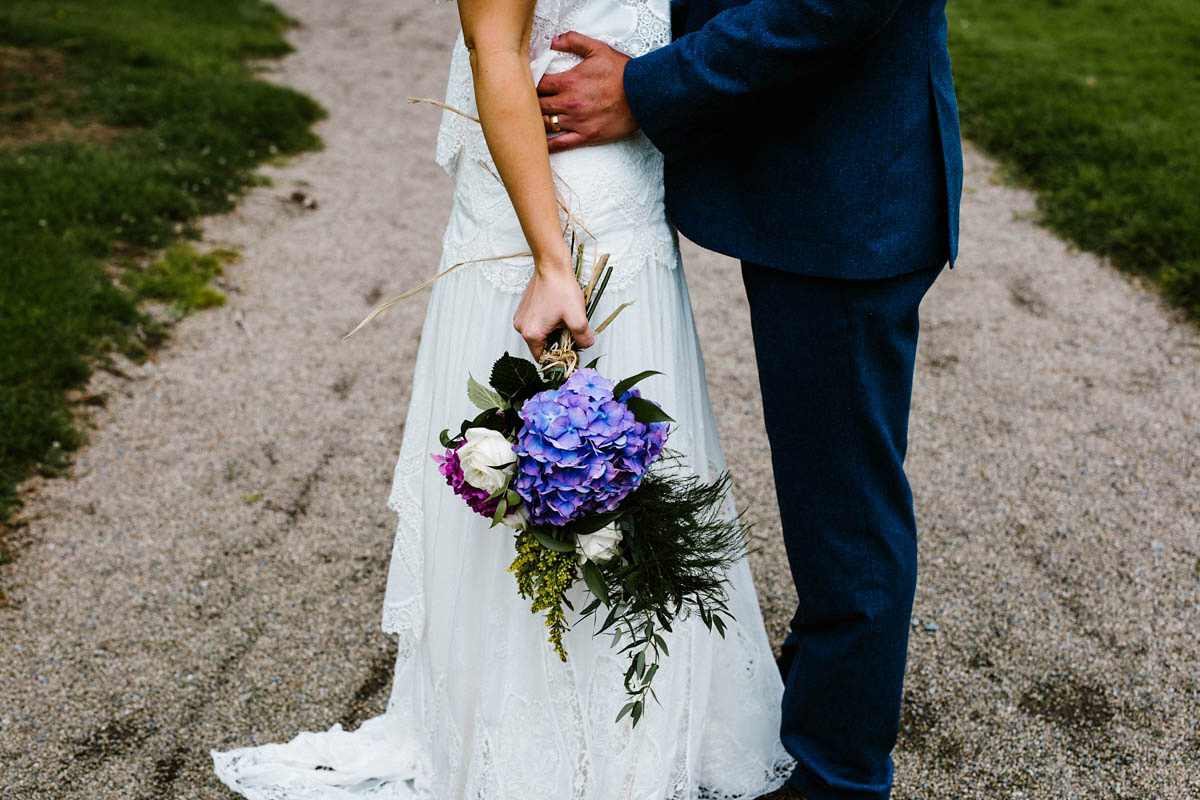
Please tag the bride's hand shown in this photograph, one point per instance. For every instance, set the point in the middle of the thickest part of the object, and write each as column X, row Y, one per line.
column 552, row 300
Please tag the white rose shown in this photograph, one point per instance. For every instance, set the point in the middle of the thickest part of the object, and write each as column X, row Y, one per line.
column 518, row 520
column 600, row 547
column 483, row 451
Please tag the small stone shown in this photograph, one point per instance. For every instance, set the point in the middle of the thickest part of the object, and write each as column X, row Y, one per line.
column 303, row 199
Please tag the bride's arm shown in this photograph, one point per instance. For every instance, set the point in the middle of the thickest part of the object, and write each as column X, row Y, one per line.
column 497, row 37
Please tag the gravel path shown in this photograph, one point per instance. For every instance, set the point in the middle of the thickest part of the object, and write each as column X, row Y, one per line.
column 212, row 571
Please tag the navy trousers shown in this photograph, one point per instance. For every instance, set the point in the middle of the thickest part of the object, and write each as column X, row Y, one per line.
column 835, row 360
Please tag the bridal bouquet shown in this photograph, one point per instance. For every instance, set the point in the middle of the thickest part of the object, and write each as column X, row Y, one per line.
column 575, row 463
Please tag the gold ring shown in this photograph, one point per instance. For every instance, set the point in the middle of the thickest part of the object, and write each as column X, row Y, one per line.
column 554, row 126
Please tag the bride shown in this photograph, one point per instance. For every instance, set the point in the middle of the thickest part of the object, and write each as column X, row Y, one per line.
column 481, row 708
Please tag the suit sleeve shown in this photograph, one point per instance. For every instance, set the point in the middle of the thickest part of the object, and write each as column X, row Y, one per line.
column 738, row 57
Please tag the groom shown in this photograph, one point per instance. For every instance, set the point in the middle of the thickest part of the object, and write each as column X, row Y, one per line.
column 817, row 141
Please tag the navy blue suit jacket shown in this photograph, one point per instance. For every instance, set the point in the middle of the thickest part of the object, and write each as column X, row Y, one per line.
column 816, row 136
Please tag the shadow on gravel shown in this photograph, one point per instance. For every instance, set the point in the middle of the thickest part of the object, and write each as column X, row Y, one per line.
column 113, row 739
column 363, row 704
column 919, row 734
column 1069, row 702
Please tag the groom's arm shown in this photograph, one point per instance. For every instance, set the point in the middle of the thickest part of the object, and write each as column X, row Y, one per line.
column 741, row 60
column 736, row 62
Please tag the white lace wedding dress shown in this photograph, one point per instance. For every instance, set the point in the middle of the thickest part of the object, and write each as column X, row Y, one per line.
column 481, row 708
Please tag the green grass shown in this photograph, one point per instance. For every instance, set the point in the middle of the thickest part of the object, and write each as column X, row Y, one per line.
column 121, row 122
column 1096, row 103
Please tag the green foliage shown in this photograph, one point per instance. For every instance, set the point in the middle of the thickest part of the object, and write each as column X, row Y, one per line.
column 516, row 379
column 484, row 397
column 676, row 551
column 185, row 123
column 1096, row 103
column 676, row 547
column 543, row 576
column 180, row 277
column 623, row 386
column 1182, row 285
column 645, row 411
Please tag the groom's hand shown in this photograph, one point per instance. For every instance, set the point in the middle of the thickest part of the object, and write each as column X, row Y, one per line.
column 587, row 101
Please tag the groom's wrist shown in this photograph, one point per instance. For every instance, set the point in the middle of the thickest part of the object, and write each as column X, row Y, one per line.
column 649, row 97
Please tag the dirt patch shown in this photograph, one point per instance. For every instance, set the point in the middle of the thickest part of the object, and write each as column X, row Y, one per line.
column 112, row 740
column 33, row 94
column 1070, row 702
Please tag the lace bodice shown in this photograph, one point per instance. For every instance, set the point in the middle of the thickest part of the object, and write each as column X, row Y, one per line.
column 614, row 190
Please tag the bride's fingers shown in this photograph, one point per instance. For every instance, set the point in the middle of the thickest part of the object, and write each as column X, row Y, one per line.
column 581, row 332
column 536, row 346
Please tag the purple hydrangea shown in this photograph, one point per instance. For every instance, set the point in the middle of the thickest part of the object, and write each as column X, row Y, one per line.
column 580, row 450
column 475, row 497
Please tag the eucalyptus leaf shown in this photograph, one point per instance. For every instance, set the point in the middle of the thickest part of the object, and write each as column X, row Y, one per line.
column 501, row 510
column 613, row 613
column 661, row 643
column 594, row 579
column 653, row 668
column 631, row 645
column 550, row 543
